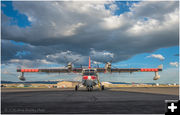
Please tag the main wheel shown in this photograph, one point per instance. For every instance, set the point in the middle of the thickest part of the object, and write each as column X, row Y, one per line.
column 102, row 87
column 87, row 88
column 76, row 88
column 90, row 88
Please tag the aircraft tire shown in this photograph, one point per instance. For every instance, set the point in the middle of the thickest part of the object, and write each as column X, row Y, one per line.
column 87, row 88
column 76, row 88
column 102, row 87
column 91, row 88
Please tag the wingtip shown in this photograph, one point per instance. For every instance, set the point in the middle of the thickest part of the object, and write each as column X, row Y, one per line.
column 160, row 66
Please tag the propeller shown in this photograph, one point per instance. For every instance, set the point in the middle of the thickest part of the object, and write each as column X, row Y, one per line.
column 108, row 65
column 74, row 61
column 69, row 64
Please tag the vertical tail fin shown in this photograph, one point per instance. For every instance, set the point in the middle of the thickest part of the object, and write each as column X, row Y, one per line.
column 89, row 63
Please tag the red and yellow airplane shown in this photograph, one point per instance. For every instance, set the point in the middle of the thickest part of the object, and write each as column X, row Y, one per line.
column 90, row 75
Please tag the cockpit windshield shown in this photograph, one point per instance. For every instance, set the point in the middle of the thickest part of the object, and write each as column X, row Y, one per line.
column 89, row 72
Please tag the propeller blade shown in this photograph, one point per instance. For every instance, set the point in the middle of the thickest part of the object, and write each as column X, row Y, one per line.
column 74, row 61
column 111, row 60
column 66, row 59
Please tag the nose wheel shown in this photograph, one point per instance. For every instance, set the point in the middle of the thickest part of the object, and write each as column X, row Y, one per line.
column 89, row 88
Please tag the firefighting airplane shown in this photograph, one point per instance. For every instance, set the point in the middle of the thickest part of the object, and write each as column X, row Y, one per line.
column 90, row 75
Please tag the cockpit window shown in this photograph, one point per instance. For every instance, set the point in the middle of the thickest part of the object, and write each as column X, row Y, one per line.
column 92, row 73
column 89, row 72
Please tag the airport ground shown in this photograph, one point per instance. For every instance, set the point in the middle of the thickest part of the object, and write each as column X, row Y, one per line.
column 144, row 100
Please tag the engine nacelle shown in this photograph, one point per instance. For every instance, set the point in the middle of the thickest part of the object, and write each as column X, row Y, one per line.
column 69, row 66
column 21, row 77
column 108, row 66
column 156, row 76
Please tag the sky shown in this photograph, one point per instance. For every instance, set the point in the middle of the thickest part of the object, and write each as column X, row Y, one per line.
column 141, row 34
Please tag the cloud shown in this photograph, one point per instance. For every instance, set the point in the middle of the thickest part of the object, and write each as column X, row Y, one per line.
column 101, row 56
column 67, row 56
column 157, row 56
column 153, row 9
column 8, row 72
column 11, row 50
column 23, row 63
column 89, row 29
column 174, row 64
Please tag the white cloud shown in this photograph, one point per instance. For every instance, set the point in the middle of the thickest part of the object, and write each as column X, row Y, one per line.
column 24, row 63
column 101, row 56
column 67, row 56
column 8, row 72
column 157, row 56
column 108, row 54
column 95, row 62
column 174, row 64
column 72, row 29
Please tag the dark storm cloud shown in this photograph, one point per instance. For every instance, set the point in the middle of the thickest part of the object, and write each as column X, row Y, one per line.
column 10, row 50
column 32, row 56
column 79, row 30
column 154, row 9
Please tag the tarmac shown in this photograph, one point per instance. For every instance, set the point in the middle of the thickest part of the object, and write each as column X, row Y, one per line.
column 68, row 101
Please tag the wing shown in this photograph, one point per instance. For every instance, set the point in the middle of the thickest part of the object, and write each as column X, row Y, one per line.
column 58, row 70
column 111, row 70
column 135, row 70
column 159, row 68
column 100, row 70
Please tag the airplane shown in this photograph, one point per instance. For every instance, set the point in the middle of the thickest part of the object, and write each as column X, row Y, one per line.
column 90, row 76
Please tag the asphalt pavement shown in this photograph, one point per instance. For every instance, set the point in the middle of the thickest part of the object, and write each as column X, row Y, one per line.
column 67, row 101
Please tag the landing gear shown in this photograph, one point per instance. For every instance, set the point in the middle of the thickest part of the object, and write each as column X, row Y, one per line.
column 102, row 87
column 76, row 87
column 89, row 88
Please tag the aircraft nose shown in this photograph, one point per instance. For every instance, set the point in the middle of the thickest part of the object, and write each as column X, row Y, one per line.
column 89, row 77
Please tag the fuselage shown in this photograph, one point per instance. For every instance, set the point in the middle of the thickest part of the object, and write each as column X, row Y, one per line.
column 89, row 77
